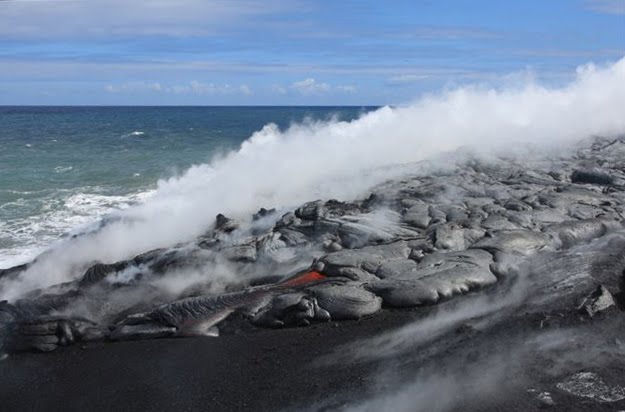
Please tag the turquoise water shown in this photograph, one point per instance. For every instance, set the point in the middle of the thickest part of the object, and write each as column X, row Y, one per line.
column 64, row 167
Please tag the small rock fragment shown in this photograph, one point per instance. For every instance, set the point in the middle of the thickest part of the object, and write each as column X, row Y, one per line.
column 590, row 385
column 598, row 301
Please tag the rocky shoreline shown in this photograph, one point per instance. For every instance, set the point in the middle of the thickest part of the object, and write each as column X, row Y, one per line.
column 521, row 257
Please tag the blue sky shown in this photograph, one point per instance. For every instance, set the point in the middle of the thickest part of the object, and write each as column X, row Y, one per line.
column 287, row 52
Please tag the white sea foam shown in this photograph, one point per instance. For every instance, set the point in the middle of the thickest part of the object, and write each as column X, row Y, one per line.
column 275, row 168
column 63, row 169
column 135, row 133
column 22, row 239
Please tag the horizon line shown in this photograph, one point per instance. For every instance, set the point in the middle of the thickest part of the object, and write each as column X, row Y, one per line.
column 194, row 105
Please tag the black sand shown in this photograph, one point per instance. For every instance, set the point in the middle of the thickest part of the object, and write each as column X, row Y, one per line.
column 266, row 370
column 263, row 371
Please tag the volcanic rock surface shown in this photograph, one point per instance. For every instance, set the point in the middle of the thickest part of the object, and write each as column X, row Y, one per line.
column 531, row 254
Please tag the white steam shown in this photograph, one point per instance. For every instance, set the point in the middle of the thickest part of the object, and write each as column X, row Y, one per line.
column 342, row 159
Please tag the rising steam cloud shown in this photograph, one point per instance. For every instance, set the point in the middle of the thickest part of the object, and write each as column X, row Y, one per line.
column 275, row 168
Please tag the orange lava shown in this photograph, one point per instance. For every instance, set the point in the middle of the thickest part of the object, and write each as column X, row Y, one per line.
column 304, row 278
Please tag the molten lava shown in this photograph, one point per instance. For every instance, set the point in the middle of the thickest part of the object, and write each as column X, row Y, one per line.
column 303, row 278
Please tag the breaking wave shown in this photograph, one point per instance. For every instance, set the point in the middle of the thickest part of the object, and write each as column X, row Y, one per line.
column 47, row 219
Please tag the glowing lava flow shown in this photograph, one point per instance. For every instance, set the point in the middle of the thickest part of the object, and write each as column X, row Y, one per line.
column 303, row 278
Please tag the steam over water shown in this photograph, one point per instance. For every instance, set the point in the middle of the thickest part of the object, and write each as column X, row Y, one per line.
column 66, row 167
column 278, row 166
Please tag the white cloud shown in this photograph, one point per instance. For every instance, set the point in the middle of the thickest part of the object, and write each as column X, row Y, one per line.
column 446, row 32
column 407, row 78
column 245, row 89
column 193, row 88
column 70, row 69
column 133, row 87
column 311, row 87
column 42, row 19
column 606, row 6
column 347, row 88
column 199, row 88
column 276, row 88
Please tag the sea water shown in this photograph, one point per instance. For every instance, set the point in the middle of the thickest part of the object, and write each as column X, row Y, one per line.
column 64, row 168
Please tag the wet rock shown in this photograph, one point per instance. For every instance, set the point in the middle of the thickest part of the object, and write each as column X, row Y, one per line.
column 357, row 274
column 438, row 276
column 347, row 301
column 282, row 309
column 497, row 222
column 517, row 205
column 332, row 246
column 262, row 212
column 311, row 211
column 368, row 258
column 372, row 228
column 240, row 253
column 13, row 272
column 522, row 242
column 449, row 237
column 418, row 215
column 564, row 196
column 562, row 280
column 272, row 247
column 573, row 232
column 592, row 386
column 578, row 211
column 288, row 219
column 598, row 301
column 99, row 271
column 597, row 177
column 196, row 315
column 437, row 215
column 136, row 332
column 45, row 334
column 293, row 237
column 396, row 268
column 544, row 216
column 405, row 293
column 225, row 224
column 544, row 398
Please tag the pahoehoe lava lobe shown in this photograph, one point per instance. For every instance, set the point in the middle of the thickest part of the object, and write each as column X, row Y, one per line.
column 553, row 225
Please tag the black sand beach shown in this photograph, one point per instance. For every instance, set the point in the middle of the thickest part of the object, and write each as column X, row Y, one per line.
column 264, row 371
column 268, row 370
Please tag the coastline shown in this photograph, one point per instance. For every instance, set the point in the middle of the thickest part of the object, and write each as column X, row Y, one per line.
column 502, row 289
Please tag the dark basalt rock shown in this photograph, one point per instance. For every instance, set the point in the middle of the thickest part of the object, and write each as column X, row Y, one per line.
column 437, row 276
column 262, row 212
column 99, row 271
column 13, row 271
column 225, row 224
column 311, row 211
column 592, row 177
column 590, row 385
column 45, row 334
column 411, row 242
column 348, row 301
column 598, row 301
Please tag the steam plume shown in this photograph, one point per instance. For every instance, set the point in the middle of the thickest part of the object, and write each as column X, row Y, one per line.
column 342, row 159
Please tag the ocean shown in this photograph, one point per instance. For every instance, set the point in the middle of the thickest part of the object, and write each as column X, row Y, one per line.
column 65, row 168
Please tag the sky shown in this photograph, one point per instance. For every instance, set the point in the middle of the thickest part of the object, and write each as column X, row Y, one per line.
column 292, row 52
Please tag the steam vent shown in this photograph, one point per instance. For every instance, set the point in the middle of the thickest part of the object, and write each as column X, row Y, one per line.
column 490, row 285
